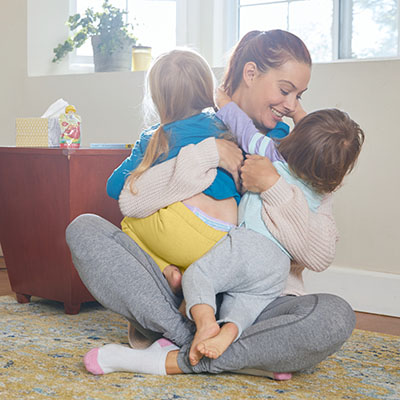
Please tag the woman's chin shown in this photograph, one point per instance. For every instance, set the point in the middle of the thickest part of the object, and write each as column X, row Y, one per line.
column 270, row 124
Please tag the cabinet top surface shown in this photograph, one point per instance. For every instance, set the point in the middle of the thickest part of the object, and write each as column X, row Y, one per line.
column 58, row 151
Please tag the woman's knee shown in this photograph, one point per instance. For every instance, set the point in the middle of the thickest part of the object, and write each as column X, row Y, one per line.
column 334, row 318
column 85, row 223
column 83, row 228
column 77, row 225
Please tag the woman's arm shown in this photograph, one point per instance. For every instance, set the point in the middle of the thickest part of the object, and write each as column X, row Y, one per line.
column 309, row 237
column 191, row 172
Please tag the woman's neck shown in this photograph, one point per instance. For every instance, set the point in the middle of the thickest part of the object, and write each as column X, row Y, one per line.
column 240, row 98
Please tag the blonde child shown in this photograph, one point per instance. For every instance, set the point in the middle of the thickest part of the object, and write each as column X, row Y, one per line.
column 180, row 87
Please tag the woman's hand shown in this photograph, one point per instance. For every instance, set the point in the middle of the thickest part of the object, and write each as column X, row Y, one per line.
column 221, row 98
column 258, row 174
column 230, row 158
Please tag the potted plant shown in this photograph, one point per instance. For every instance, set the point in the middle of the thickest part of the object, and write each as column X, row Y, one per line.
column 112, row 38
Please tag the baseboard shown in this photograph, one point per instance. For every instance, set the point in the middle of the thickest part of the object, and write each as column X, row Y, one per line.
column 366, row 291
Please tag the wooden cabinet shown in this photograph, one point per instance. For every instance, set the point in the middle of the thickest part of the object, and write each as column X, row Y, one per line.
column 41, row 191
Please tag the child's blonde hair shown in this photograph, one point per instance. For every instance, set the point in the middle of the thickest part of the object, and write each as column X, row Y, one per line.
column 180, row 84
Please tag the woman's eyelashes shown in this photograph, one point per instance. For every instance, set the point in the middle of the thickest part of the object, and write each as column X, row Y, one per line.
column 286, row 93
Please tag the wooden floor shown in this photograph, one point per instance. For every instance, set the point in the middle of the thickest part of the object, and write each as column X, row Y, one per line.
column 368, row 322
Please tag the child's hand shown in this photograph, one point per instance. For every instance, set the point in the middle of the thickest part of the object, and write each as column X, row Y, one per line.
column 298, row 113
column 221, row 98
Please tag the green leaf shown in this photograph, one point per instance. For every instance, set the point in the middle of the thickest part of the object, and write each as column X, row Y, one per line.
column 108, row 24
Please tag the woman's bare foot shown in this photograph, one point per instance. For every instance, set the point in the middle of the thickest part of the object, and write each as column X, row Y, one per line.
column 174, row 278
column 201, row 335
column 215, row 346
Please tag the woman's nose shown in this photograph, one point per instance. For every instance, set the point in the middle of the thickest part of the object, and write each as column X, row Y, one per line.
column 290, row 103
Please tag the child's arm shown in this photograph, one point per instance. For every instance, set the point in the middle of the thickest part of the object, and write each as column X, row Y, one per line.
column 249, row 138
column 116, row 181
column 298, row 114
column 309, row 237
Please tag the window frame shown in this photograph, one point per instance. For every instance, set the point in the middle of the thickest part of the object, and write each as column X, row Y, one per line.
column 222, row 33
column 341, row 29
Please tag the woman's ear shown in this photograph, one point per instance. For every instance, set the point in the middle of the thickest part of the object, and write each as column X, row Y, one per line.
column 250, row 72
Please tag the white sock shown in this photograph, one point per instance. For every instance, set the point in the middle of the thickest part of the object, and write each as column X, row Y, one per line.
column 116, row 357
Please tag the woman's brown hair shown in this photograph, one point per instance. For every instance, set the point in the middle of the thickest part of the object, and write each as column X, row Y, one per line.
column 322, row 148
column 267, row 49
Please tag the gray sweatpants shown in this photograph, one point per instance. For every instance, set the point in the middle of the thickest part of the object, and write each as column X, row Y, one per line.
column 248, row 268
column 291, row 333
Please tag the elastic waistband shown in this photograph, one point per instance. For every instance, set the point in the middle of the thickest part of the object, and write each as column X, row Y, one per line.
column 210, row 221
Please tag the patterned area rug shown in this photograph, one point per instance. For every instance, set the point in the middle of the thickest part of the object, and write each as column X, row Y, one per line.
column 41, row 351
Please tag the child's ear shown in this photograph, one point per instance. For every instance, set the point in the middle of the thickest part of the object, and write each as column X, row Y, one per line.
column 250, row 72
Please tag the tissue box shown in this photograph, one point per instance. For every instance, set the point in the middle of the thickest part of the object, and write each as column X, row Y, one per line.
column 37, row 132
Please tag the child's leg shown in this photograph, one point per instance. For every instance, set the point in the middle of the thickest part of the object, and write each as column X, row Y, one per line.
column 173, row 235
column 244, row 263
column 174, row 278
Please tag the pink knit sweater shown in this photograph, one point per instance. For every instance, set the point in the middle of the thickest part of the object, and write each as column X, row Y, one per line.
column 309, row 237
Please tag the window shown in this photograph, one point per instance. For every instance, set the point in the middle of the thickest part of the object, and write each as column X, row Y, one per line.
column 154, row 23
column 331, row 29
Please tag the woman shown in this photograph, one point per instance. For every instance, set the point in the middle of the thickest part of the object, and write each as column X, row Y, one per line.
column 267, row 74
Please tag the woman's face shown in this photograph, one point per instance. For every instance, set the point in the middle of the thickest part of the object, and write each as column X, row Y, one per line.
column 268, row 97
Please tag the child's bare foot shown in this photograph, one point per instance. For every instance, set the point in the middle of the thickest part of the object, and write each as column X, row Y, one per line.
column 174, row 278
column 215, row 346
column 201, row 335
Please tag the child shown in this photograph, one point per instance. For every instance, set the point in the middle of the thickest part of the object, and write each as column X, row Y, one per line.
column 322, row 148
column 180, row 84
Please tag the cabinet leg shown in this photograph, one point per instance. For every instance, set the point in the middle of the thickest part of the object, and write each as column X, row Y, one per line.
column 23, row 298
column 72, row 309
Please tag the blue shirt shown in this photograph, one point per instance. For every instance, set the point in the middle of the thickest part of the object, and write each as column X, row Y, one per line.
column 191, row 130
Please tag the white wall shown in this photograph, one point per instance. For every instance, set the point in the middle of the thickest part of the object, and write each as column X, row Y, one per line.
column 13, row 49
column 366, row 207
column 109, row 103
column 367, row 210
column 46, row 29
